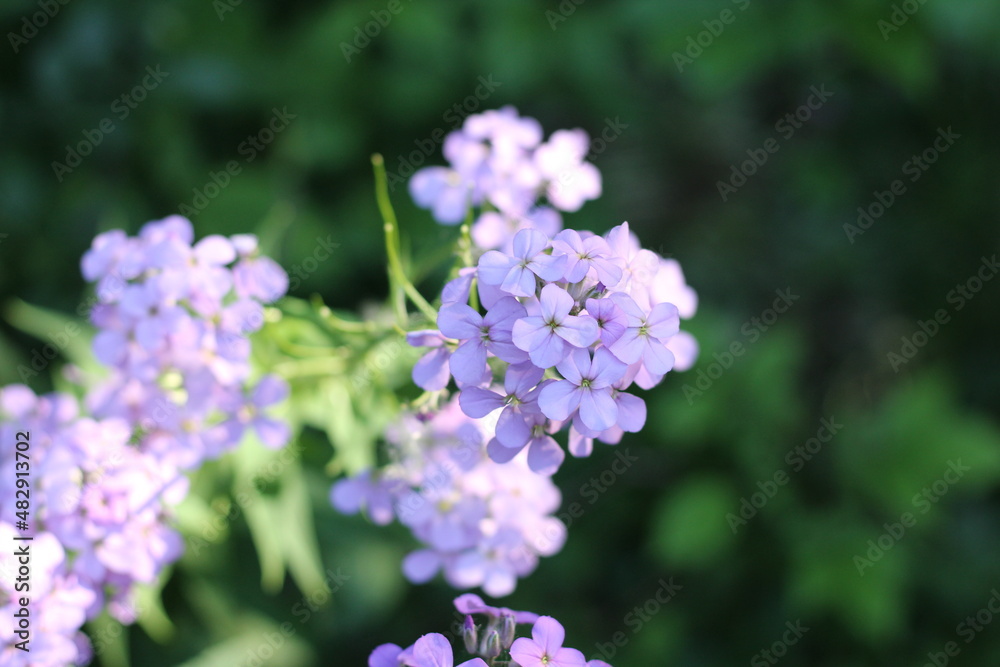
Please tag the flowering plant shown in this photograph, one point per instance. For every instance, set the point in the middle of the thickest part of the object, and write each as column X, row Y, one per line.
column 538, row 331
column 542, row 330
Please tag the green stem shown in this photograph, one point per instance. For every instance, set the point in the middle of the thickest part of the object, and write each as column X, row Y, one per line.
column 465, row 244
column 397, row 276
column 465, row 253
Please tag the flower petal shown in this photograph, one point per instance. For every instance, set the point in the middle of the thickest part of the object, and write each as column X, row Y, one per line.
column 469, row 361
column 432, row 371
column 493, row 267
column 457, row 320
column 512, row 430
column 420, row 566
column 555, row 303
column 520, row 281
column 631, row 412
column 597, row 409
column 579, row 331
column 559, row 399
column 663, row 321
column 477, row 402
column 432, row 650
column 545, row 456
column 549, row 634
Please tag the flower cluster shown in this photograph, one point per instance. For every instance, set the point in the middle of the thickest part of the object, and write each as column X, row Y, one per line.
column 174, row 320
column 57, row 610
column 500, row 166
column 99, row 513
column 600, row 310
column 494, row 642
column 481, row 524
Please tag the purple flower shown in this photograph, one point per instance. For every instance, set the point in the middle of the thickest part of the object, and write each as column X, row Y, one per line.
column 480, row 335
column 669, row 285
column 432, row 372
column 515, row 273
column 544, row 453
column 256, row 276
column 545, row 648
column 504, row 126
column 646, row 335
column 584, row 254
column 457, row 289
column 445, row 191
column 571, row 180
column 495, row 230
column 476, row 520
column 433, row 650
column 545, row 337
column 353, row 494
column 639, row 265
column 470, row 603
column 386, row 655
column 684, row 347
column 587, row 387
column 513, row 428
column 610, row 319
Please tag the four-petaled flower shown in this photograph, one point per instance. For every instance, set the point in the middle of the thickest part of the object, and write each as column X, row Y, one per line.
column 583, row 254
column 545, row 337
column 587, row 387
column 545, row 648
column 433, row 650
column 520, row 402
column 515, row 273
column 646, row 336
column 480, row 334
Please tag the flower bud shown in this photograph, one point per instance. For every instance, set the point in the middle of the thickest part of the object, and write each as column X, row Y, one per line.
column 469, row 635
column 507, row 627
column 491, row 645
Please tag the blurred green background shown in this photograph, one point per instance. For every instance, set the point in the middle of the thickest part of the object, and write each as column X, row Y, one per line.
column 681, row 126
